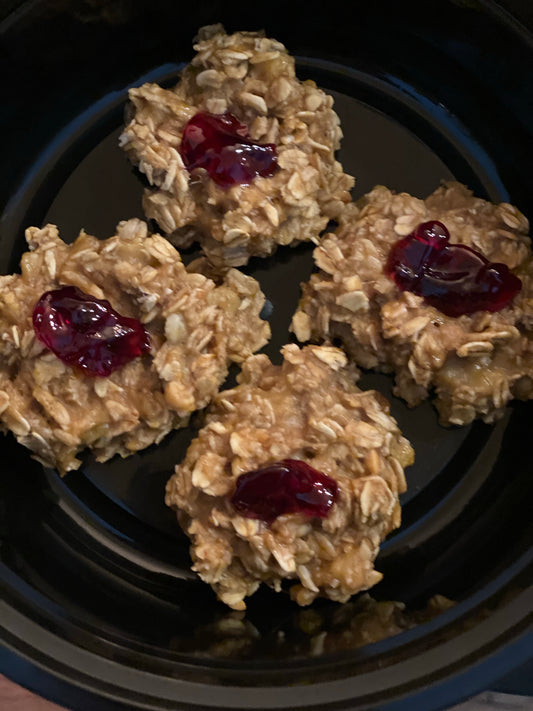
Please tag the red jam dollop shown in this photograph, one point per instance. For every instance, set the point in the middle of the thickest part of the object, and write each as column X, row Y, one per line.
column 453, row 278
column 86, row 332
column 288, row 486
column 220, row 143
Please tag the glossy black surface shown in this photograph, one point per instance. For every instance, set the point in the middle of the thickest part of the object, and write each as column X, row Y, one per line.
column 97, row 595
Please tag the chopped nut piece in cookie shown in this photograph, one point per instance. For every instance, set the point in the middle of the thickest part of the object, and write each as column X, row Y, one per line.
column 307, row 409
column 249, row 80
column 195, row 330
column 476, row 362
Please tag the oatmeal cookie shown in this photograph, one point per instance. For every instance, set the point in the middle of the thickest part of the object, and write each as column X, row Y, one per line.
column 307, row 409
column 476, row 363
column 252, row 78
column 196, row 329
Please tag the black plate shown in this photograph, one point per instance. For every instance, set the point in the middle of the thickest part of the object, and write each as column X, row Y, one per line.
column 99, row 609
